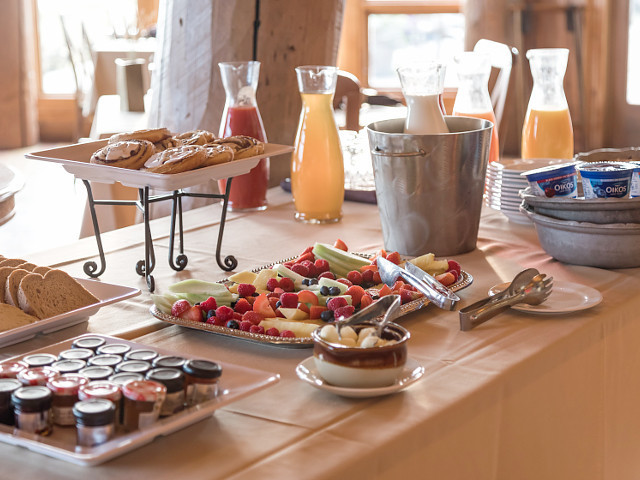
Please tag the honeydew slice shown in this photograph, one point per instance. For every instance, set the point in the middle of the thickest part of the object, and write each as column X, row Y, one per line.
column 263, row 277
column 294, row 313
column 243, row 277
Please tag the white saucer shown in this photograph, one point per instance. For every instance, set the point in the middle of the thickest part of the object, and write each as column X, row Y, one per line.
column 566, row 297
column 411, row 373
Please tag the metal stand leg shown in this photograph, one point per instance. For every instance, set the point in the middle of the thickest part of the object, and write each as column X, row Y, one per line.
column 230, row 261
column 181, row 259
column 90, row 267
column 146, row 266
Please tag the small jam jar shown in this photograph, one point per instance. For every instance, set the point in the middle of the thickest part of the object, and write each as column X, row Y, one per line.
column 76, row 354
column 114, row 349
column 65, row 395
column 69, row 366
column 37, row 376
column 39, row 360
column 97, row 372
column 145, row 355
column 201, row 380
column 142, row 402
column 11, row 369
column 32, row 408
column 7, row 387
column 173, row 379
column 103, row 389
column 89, row 342
column 125, row 377
column 134, row 366
column 168, row 361
column 95, row 421
column 105, row 360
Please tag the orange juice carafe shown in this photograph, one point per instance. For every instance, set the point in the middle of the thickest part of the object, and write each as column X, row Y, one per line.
column 317, row 168
column 547, row 131
column 422, row 87
column 472, row 99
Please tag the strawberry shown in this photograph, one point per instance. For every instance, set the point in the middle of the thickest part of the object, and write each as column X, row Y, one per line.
column 366, row 300
column 315, row 311
column 209, row 304
column 303, row 307
column 273, row 301
column 367, row 276
column 218, row 321
column 345, row 311
column 321, row 265
column 345, row 281
column 336, row 302
column 376, row 278
column 194, row 314
column 237, row 316
column 356, row 292
column 263, row 307
column 339, row 244
column 286, row 284
column 394, row 257
column 179, row 307
column 446, row 278
column 327, row 275
column 453, row 265
column 313, row 271
column 355, row 277
column 385, row 290
column 405, row 295
column 307, row 256
column 242, row 306
column 246, row 289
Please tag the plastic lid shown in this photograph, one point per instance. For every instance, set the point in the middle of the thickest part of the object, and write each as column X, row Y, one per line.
column 134, row 366
column 76, row 354
column 11, row 369
column 202, row 368
column 96, row 372
column 39, row 360
column 64, row 385
column 114, row 349
column 101, row 389
column 36, row 398
column 144, row 390
column 549, row 171
column 172, row 378
column 7, row 387
column 146, row 355
column 169, row 361
column 37, row 376
column 92, row 343
column 106, row 360
column 69, row 366
column 81, row 379
column 125, row 377
column 94, row 412
column 606, row 169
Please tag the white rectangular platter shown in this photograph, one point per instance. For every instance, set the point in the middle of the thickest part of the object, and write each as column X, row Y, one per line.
column 75, row 160
column 107, row 293
column 236, row 382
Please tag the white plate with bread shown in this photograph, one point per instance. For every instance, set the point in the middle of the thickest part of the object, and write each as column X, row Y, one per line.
column 37, row 299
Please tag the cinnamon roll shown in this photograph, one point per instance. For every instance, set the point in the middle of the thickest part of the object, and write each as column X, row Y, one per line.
column 177, row 159
column 196, row 137
column 153, row 135
column 243, row 146
column 130, row 154
column 170, row 142
column 217, row 154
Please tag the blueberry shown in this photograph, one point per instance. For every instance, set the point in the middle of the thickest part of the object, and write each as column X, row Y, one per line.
column 326, row 316
column 211, row 313
column 313, row 281
column 324, row 290
column 233, row 324
column 278, row 304
column 334, row 291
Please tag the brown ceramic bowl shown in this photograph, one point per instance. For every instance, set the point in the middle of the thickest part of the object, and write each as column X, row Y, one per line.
column 357, row 367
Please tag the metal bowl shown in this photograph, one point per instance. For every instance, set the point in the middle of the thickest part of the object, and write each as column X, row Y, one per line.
column 613, row 245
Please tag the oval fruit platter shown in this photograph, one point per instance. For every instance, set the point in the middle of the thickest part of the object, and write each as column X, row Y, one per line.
column 281, row 303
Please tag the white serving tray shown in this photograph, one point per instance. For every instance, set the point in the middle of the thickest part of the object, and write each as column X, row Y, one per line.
column 107, row 293
column 236, row 382
column 75, row 160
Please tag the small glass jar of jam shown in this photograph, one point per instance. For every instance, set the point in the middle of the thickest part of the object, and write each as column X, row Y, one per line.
column 142, row 402
column 37, row 376
column 11, row 369
column 39, row 360
column 134, row 366
column 168, row 361
column 7, row 387
column 143, row 354
column 125, row 377
column 97, row 372
column 114, row 349
column 69, row 366
column 76, row 354
column 89, row 342
column 105, row 360
column 202, row 378
column 103, row 389
column 95, row 421
column 65, row 395
column 32, row 408
column 173, row 379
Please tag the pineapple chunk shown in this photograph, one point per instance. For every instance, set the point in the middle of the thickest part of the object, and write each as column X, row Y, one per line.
column 260, row 282
column 243, row 277
column 429, row 264
column 294, row 314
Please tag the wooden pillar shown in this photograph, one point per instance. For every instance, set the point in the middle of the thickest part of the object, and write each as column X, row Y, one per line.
column 18, row 82
column 195, row 35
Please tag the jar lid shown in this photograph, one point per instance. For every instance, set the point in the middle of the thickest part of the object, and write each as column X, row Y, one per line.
column 106, row 360
column 94, row 412
column 101, row 389
column 11, row 369
column 202, row 368
column 81, row 379
column 69, row 366
column 76, row 354
column 35, row 397
column 134, row 366
column 92, row 343
column 114, row 349
column 125, row 377
column 172, row 378
column 39, row 360
column 144, row 391
column 7, row 387
column 97, row 372
column 37, row 376
column 64, row 386
column 169, row 361
column 145, row 354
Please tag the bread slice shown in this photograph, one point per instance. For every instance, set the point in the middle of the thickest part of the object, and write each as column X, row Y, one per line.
column 11, row 262
column 54, row 293
column 11, row 285
column 41, row 270
column 12, row 317
column 4, row 274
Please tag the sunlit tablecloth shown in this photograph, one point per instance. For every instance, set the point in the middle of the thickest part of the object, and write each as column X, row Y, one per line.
column 520, row 397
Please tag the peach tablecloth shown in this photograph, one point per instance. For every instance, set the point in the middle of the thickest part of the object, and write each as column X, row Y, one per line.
column 521, row 397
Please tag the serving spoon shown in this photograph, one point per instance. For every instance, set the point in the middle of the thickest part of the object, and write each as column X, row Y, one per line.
column 389, row 306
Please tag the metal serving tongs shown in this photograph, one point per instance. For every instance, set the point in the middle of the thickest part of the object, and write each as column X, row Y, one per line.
column 437, row 293
column 389, row 306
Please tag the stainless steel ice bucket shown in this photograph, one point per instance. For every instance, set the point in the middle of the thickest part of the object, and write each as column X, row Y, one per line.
column 429, row 187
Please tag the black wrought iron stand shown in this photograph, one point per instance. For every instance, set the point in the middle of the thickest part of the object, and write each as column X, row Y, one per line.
column 146, row 266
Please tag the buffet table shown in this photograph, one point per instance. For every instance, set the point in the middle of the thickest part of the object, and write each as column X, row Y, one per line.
column 522, row 396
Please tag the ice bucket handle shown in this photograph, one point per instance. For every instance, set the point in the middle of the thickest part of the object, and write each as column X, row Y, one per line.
column 378, row 152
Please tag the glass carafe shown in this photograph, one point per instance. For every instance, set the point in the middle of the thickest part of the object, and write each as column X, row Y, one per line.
column 547, row 130
column 242, row 117
column 472, row 98
column 422, row 88
column 317, row 167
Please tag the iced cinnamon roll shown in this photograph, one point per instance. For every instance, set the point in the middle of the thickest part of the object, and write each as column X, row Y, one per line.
column 196, row 137
column 217, row 154
column 163, row 145
column 153, row 135
column 131, row 154
column 242, row 146
column 177, row 159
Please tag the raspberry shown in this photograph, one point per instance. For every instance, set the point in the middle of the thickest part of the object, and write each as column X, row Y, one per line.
column 454, row 266
column 287, row 334
column 209, row 304
column 233, row 324
column 246, row 289
column 225, row 313
column 327, row 274
column 345, row 281
column 321, row 265
column 179, row 307
column 242, row 306
column 254, row 317
column 246, row 325
column 313, row 271
column 211, row 320
column 367, row 276
column 336, row 302
column 289, row 300
column 300, row 269
column 355, row 277
column 256, row 329
column 287, row 284
column 272, row 284
column 237, row 316
column 273, row 331
column 345, row 311
column 218, row 321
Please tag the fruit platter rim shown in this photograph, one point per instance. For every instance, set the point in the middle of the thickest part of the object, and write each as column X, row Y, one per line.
column 463, row 281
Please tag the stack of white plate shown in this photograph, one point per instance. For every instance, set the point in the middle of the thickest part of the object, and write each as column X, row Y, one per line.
column 504, row 182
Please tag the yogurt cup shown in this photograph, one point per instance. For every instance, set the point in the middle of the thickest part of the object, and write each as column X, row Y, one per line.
column 606, row 179
column 553, row 180
column 635, row 179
